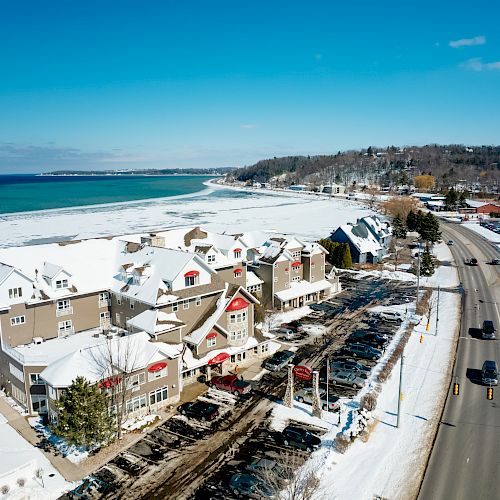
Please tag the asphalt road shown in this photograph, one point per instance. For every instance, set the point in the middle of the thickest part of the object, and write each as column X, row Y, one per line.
column 465, row 460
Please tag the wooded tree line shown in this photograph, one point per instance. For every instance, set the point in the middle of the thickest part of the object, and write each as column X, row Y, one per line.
column 339, row 254
column 385, row 166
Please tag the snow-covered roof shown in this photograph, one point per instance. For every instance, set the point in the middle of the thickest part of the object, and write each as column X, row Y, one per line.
column 300, row 288
column 130, row 353
column 376, row 225
column 476, row 203
column 5, row 271
column 361, row 238
column 50, row 270
column 155, row 321
column 190, row 362
column 253, row 279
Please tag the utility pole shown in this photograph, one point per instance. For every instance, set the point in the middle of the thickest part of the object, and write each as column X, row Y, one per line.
column 437, row 313
column 400, row 394
column 418, row 276
column 327, row 382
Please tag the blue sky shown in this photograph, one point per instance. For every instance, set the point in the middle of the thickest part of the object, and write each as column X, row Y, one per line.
column 226, row 83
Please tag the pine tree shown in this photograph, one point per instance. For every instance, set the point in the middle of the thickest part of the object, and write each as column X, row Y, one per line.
column 346, row 260
column 427, row 263
column 399, row 228
column 83, row 418
column 412, row 221
column 429, row 228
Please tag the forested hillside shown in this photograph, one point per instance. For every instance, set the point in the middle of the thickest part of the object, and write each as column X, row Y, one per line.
column 391, row 166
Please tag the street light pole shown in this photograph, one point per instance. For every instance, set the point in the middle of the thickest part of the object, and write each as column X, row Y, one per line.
column 400, row 394
column 437, row 312
column 418, row 276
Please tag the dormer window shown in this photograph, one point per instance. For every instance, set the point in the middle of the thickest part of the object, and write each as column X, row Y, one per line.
column 237, row 253
column 62, row 283
column 191, row 278
column 210, row 259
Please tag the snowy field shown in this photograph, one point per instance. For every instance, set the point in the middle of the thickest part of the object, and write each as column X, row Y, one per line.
column 215, row 208
column 20, row 461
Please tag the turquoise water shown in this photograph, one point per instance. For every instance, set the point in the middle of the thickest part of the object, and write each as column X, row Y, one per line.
column 22, row 193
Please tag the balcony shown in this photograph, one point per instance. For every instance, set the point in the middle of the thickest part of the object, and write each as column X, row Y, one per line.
column 64, row 312
column 104, row 302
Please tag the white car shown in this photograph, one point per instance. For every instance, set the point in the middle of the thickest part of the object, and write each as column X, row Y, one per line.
column 391, row 316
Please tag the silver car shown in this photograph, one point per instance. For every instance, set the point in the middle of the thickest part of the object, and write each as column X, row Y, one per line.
column 306, row 396
column 347, row 378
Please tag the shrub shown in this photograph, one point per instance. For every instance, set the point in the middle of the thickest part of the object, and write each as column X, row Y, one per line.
column 21, row 482
column 4, row 489
column 369, row 401
column 342, row 443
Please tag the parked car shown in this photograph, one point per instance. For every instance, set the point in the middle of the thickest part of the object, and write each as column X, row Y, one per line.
column 391, row 316
column 279, row 360
column 364, row 351
column 450, row 243
column 488, row 330
column 265, row 465
column 250, row 486
column 231, row 383
column 306, row 396
column 320, row 307
column 199, row 410
column 373, row 339
column 350, row 366
column 489, row 373
column 346, row 378
column 284, row 333
column 294, row 325
column 300, row 438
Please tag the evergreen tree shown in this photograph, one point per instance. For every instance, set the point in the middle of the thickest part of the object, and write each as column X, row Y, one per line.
column 429, row 228
column 461, row 199
column 339, row 254
column 83, row 418
column 412, row 221
column 451, row 199
column 399, row 228
column 426, row 263
column 346, row 258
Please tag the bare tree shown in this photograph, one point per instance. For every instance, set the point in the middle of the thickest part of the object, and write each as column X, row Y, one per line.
column 290, row 477
column 116, row 360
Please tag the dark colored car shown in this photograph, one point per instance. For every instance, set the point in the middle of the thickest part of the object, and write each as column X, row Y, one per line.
column 374, row 339
column 249, row 486
column 350, row 366
column 488, row 330
column 300, row 438
column 279, row 360
column 232, row 384
column 495, row 262
column 320, row 307
column 471, row 262
column 199, row 410
column 364, row 351
column 489, row 373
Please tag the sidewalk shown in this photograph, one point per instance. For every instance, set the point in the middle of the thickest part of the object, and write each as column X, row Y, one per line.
column 70, row 471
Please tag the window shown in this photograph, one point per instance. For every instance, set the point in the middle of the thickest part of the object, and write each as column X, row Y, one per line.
column 296, row 278
column 61, row 284
column 35, row 379
column 15, row 293
column 52, row 393
column 276, row 279
column 132, row 304
column 210, row 258
column 136, row 403
column 159, row 374
column 191, row 280
column 296, row 254
column 175, row 307
column 119, row 300
column 237, row 253
column 158, row 396
column 118, row 319
column 105, row 319
column 238, row 273
column 17, row 320
column 103, row 296
column 136, row 380
column 238, row 317
column 64, row 327
column 238, row 334
column 63, row 305
column 185, row 304
column 198, row 301
column 14, row 370
column 212, row 341
column 238, row 357
column 18, row 394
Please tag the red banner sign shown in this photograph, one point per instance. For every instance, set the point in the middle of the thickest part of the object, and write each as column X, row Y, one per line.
column 302, row 372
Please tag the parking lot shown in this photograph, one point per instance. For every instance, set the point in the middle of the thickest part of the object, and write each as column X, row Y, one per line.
column 188, row 458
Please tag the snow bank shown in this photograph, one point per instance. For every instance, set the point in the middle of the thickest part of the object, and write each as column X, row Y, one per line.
column 483, row 231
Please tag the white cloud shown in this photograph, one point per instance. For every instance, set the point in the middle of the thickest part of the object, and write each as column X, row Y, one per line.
column 468, row 42
column 248, row 125
column 476, row 64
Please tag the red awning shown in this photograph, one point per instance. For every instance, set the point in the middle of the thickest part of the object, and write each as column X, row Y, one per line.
column 109, row 382
column 220, row 358
column 297, row 263
column 238, row 271
column 237, row 250
column 157, row 367
column 286, row 269
column 212, row 335
column 237, row 304
column 191, row 273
